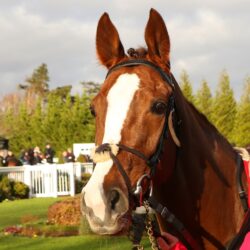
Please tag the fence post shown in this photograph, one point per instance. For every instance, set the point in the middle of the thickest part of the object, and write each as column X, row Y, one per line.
column 27, row 179
column 72, row 180
column 55, row 179
column 77, row 170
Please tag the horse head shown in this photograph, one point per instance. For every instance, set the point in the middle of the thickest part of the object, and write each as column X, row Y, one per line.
column 131, row 110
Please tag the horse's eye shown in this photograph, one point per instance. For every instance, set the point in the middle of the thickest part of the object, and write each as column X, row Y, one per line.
column 159, row 107
column 92, row 111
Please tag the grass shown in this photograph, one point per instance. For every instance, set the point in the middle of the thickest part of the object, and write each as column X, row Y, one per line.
column 13, row 213
column 89, row 242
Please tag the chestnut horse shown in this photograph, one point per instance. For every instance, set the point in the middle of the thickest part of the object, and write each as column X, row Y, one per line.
column 195, row 167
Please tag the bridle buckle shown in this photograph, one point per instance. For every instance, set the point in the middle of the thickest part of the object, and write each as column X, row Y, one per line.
column 140, row 190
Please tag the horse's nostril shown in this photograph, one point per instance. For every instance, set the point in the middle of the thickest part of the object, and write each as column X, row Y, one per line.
column 114, row 198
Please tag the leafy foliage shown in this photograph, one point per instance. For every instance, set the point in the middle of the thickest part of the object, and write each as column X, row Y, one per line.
column 224, row 108
column 58, row 121
column 242, row 121
column 204, row 100
column 91, row 88
column 38, row 82
column 186, row 87
column 10, row 189
column 20, row 190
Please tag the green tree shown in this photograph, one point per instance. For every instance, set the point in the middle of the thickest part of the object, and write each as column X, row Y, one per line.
column 186, row 86
column 52, row 115
column 88, row 120
column 90, row 88
column 204, row 100
column 78, row 115
column 224, row 107
column 38, row 82
column 63, row 91
column 36, row 86
column 37, row 126
column 65, row 124
column 8, row 122
column 242, row 121
column 20, row 137
column 82, row 119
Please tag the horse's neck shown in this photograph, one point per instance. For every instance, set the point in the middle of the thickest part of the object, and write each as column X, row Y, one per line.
column 202, row 189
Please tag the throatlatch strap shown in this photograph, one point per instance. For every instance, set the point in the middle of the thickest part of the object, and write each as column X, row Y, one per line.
column 245, row 228
column 241, row 191
column 239, row 238
column 188, row 240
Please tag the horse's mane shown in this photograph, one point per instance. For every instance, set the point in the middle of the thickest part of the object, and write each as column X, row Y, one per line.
column 207, row 126
column 201, row 139
column 140, row 52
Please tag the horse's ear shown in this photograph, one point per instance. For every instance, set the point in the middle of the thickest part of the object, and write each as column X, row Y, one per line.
column 108, row 45
column 156, row 37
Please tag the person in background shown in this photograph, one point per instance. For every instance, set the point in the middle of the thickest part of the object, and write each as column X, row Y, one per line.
column 24, row 157
column 49, row 153
column 64, row 155
column 38, row 156
column 11, row 160
column 70, row 157
column 2, row 161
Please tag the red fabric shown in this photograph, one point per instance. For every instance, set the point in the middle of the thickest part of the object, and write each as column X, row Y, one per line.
column 246, row 242
column 247, row 166
column 169, row 242
column 178, row 246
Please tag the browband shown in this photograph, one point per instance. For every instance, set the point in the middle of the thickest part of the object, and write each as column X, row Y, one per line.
column 135, row 62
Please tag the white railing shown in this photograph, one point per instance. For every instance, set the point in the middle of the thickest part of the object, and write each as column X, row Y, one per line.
column 49, row 180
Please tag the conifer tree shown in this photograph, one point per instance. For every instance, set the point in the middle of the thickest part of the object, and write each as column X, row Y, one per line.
column 204, row 100
column 90, row 88
column 77, row 120
column 36, row 86
column 9, row 122
column 65, row 124
column 37, row 126
column 242, row 121
column 20, row 136
column 186, row 86
column 224, row 107
column 38, row 82
column 52, row 120
column 63, row 91
column 88, row 119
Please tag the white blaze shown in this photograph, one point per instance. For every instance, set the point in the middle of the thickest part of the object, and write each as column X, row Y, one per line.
column 119, row 99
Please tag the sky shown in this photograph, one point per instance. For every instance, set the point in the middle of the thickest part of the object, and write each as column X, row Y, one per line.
column 207, row 37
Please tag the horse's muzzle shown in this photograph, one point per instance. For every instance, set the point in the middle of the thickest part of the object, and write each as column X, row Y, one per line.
column 114, row 212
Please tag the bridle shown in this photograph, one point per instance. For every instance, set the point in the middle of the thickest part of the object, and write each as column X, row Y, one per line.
column 154, row 159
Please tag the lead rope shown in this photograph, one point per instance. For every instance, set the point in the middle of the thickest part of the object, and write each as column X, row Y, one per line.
column 138, row 247
column 149, row 227
column 149, row 231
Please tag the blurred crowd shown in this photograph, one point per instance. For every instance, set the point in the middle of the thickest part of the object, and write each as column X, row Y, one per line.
column 34, row 156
